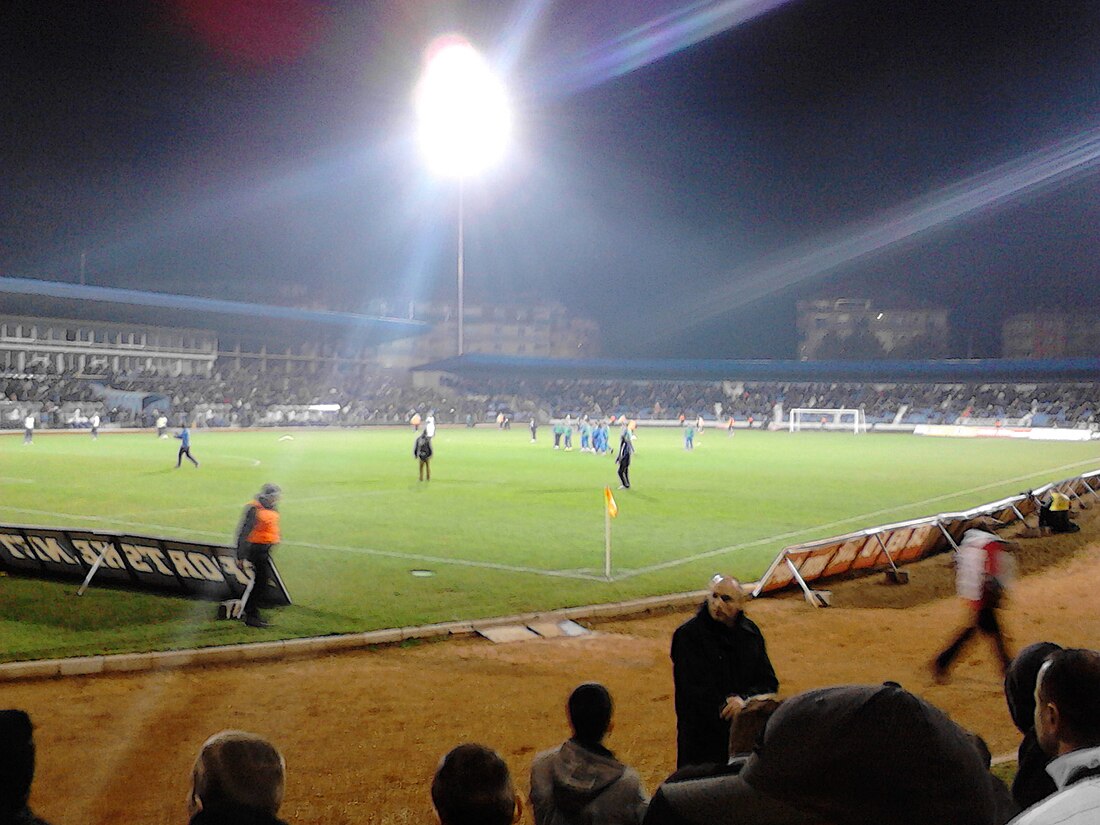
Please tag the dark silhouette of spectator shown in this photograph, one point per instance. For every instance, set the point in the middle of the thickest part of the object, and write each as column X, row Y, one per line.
column 719, row 659
column 746, row 730
column 1032, row 783
column 472, row 786
column 238, row 778
column 16, row 768
column 851, row 755
column 1067, row 725
column 580, row 782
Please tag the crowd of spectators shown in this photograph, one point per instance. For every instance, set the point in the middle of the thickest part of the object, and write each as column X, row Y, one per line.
column 245, row 397
column 845, row 754
column 1025, row 405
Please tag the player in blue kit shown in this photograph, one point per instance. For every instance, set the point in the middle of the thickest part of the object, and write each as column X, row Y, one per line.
column 184, row 436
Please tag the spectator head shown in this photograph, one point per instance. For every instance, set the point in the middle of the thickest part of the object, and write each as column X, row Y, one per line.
column 472, row 786
column 747, row 725
column 1067, row 701
column 16, row 761
column 1020, row 683
column 236, row 770
column 725, row 600
column 590, row 709
column 857, row 754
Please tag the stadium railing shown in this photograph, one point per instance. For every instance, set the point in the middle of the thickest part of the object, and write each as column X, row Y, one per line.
column 890, row 545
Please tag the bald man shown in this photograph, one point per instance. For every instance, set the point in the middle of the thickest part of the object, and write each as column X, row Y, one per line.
column 719, row 659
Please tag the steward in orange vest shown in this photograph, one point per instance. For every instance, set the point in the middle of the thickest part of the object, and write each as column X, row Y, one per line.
column 257, row 535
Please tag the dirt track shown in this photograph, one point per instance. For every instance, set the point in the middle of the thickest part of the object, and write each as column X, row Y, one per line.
column 362, row 732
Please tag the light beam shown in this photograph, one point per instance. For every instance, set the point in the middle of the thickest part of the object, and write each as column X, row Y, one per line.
column 998, row 187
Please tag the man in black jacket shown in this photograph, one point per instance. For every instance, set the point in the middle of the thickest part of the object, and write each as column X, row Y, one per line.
column 719, row 659
column 422, row 450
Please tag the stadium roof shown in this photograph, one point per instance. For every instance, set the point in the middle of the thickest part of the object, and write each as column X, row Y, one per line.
column 54, row 299
column 971, row 371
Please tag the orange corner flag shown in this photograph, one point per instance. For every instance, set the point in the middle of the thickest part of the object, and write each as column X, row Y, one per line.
column 612, row 507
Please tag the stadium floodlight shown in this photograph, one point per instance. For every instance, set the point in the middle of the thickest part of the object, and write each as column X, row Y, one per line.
column 464, row 123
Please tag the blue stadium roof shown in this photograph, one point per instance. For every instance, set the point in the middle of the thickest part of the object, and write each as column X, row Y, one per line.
column 970, row 371
column 27, row 296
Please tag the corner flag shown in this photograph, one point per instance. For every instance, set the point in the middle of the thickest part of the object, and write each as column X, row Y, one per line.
column 612, row 507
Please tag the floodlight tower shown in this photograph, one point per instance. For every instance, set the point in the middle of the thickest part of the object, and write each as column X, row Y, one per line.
column 465, row 124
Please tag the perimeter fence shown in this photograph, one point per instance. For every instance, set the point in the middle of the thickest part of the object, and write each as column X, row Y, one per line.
column 888, row 546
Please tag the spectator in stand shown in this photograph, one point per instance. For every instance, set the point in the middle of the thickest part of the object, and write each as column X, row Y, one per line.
column 984, row 569
column 851, row 755
column 580, row 782
column 719, row 659
column 1067, row 725
column 238, row 778
column 16, row 768
column 472, row 786
column 1032, row 783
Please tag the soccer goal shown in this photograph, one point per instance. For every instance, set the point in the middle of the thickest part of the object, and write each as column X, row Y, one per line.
column 818, row 418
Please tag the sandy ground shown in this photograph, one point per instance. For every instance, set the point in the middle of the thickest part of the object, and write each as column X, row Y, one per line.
column 362, row 732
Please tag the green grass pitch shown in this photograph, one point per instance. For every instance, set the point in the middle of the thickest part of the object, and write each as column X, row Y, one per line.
column 505, row 525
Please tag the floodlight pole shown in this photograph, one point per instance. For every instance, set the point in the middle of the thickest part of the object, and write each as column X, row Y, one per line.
column 461, row 263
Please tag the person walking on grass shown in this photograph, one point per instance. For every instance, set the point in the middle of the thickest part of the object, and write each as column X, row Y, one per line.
column 184, row 436
column 626, row 451
column 422, row 450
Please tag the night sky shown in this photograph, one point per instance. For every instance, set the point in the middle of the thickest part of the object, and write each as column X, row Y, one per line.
column 265, row 149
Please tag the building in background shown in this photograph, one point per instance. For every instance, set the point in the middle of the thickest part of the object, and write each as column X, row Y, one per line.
column 1050, row 334
column 535, row 331
column 64, row 345
column 857, row 328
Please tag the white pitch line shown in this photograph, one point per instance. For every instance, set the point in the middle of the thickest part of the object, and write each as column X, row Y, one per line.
column 367, row 551
column 486, row 565
column 107, row 520
column 828, row 525
column 561, row 573
column 11, row 480
column 295, row 501
column 255, row 461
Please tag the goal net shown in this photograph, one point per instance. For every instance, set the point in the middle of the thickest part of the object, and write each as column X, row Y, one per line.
column 819, row 418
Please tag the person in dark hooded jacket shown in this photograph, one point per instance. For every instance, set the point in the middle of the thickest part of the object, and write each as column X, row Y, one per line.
column 1032, row 782
column 16, row 768
column 581, row 782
